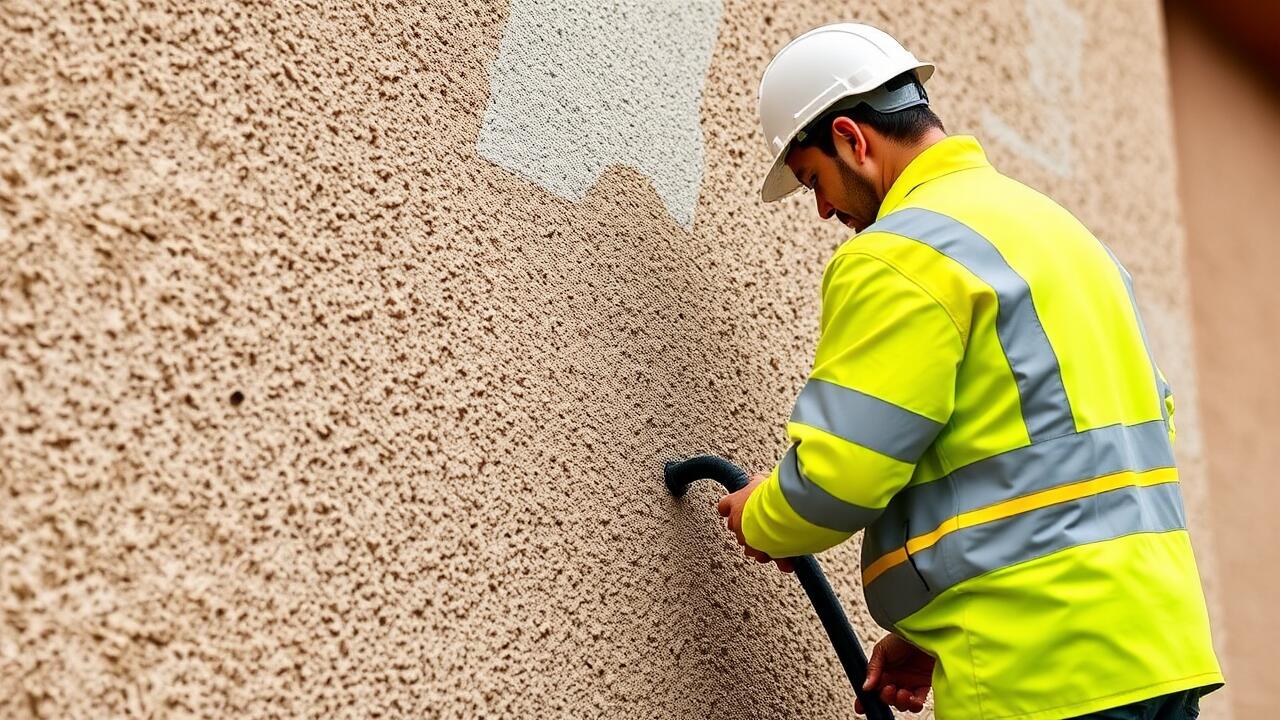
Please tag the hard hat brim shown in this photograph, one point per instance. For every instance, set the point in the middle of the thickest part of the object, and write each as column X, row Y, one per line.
column 780, row 182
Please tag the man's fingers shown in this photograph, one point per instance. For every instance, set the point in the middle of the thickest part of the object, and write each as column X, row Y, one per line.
column 731, row 510
column 901, row 699
column 918, row 697
column 889, row 693
column 873, row 668
column 784, row 564
column 724, row 506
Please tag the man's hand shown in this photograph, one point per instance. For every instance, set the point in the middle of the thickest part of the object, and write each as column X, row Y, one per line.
column 901, row 671
column 730, row 508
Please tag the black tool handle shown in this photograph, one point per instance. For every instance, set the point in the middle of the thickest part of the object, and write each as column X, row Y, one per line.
column 679, row 475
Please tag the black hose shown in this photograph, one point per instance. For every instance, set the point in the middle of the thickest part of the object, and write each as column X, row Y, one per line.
column 680, row 474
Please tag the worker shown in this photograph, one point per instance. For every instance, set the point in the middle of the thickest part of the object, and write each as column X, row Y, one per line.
column 984, row 407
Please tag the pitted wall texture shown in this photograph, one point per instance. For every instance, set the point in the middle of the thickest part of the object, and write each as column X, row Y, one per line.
column 309, row 408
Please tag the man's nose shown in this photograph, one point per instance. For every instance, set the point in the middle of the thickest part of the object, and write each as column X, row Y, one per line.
column 825, row 209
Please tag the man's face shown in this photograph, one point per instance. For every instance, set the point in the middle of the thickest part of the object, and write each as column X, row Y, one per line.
column 839, row 187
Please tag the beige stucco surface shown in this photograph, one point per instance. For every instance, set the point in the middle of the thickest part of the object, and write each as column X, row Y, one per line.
column 307, row 408
column 1228, row 139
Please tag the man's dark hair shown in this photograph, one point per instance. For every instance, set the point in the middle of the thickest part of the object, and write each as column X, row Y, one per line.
column 904, row 126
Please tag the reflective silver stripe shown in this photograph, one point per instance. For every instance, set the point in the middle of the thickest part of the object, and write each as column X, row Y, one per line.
column 865, row 420
column 970, row 552
column 1045, row 407
column 816, row 505
column 1162, row 390
column 1028, row 469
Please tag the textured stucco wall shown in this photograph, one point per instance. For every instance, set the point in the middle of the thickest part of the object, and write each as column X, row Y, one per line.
column 312, row 404
column 1227, row 117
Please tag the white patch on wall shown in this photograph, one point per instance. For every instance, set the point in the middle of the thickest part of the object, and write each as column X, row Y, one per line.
column 1054, row 57
column 581, row 85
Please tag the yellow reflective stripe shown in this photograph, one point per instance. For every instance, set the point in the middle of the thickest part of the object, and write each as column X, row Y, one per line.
column 1017, row 506
column 883, row 563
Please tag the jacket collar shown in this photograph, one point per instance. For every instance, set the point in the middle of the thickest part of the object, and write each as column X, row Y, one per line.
column 948, row 155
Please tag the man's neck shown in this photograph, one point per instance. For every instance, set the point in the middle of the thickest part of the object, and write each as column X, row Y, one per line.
column 902, row 156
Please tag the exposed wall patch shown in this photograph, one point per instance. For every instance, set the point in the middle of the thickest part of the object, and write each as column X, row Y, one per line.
column 578, row 86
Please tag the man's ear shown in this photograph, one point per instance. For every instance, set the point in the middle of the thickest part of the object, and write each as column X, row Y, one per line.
column 843, row 127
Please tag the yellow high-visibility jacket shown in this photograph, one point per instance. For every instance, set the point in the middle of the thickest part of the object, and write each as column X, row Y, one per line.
column 984, row 403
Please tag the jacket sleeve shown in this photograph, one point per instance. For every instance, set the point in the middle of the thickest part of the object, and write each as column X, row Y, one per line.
column 882, row 387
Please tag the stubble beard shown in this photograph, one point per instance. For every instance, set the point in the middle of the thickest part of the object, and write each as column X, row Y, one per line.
column 860, row 197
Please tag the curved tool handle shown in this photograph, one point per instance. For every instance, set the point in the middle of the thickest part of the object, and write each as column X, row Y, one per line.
column 678, row 477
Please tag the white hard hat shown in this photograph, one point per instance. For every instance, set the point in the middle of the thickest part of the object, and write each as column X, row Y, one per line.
column 812, row 73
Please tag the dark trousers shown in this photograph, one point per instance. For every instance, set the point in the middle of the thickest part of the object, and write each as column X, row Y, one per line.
column 1183, row 705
